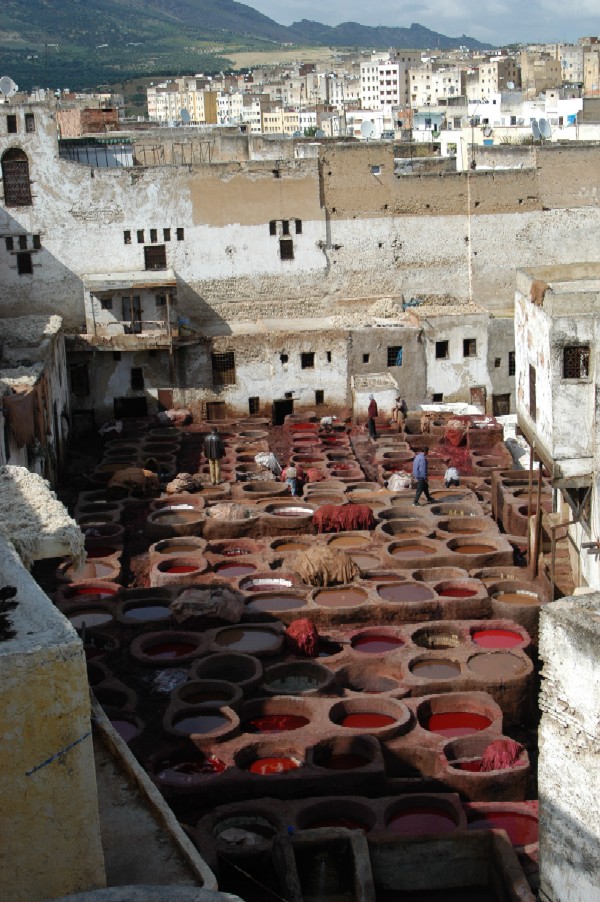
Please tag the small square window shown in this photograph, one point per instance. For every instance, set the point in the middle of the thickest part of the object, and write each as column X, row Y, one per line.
column 375, row 170
column 441, row 350
column 512, row 368
column 11, row 124
column 497, row 363
column 137, row 378
column 80, row 380
column 328, row 356
column 438, row 397
column 106, row 303
column 152, row 353
column 284, row 358
column 126, row 237
column 10, row 244
column 180, row 233
column 394, row 355
column 286, row 248
column 576, row 362
column 253, row 406
column 140, row 236
column 298, row 227
column 307, row 360
column 24, row 264
column 273, row 227
column 37, row 242
column 319, row 396
column 285, row 227
column 29, row 122
column 166, row 234
column 160, row 300
column 153, row 236
column 469, row 347
column 23, row 242
column 223, row 368
column 116, row 355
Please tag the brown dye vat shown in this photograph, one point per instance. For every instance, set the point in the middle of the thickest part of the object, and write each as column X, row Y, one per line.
column 410, row 550
column 231, row 570
column 340, row 598
column 474, row 549
column 405, row 591
column 272, row 603
column 343, row 542
column 179, row 547
column 248, row 640
column 169, row 517
column 366, row 561
column 287, row 545
column 375, row 643
column 527, row 599
column 435, row 669
column 498, row 666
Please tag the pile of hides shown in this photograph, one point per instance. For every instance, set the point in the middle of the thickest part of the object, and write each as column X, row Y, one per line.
column 502, row 754
column 184, row 482
column 322, row 566
column 302, row 638
column 227, row 511
column 399, row 481
column 210, row 603
column 314, row 475
column 268, row 460
column 454, row 432
column 174, row 417
column 343, row 517
column 137, row 481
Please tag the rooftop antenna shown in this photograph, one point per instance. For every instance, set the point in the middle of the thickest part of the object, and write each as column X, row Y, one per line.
column 7, row 88
column 367, row 129
column 535, row 130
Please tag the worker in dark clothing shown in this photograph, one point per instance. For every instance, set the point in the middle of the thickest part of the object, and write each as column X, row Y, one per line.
column 372, row 412
column 214, row 451
column 420, row 474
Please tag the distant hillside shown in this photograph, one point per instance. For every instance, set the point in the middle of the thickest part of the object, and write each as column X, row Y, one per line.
column 80, row 44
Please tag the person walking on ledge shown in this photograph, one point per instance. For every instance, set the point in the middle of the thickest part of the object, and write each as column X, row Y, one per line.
column 372, row 412
column 214, row 451
column 420, row 474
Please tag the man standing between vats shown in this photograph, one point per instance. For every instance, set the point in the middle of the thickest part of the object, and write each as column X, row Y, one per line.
column 214, row 451
column 420, row 474
column 372, row 412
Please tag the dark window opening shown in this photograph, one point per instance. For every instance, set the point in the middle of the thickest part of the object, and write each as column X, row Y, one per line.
column 273, row 227
column 223, row 368
column 307, row 360
column 285, row 227
column 532, row 393
column 216, row 410
column 11, row 124
column 160, row 300
column 152, row 353
column 500, row 405
column 155, row 256
column 253, row 406
column 469, row 347
column 116, row 355
column 37, row 242
column 438, row 397
column 366, row 358
column 23, row 242
column 394, row 355
column 276, row 173
column 15, row 175
column 7, row 434
column 24, row 264
column 153, row 236
column 137, row 378
column 319, row 396
column 328, row 356
column 298, row 227
column 10, row 244
column 441, row 350
column 80, row 379
column 286, row 248
column 497, row 363
column 140, row 236
column 512, row 366
column 166, row 234
column 284, row 358
column 576, row 362
column 29, row 122
column 106, row 303
column 180, row 233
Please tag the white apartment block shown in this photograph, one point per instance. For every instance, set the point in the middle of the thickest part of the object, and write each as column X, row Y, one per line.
column 491, row 77
column 230, row 108
column 386, row 83
column 429, row 84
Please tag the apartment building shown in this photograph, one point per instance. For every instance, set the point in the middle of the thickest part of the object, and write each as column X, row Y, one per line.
column 385, row 82
column 432, row 83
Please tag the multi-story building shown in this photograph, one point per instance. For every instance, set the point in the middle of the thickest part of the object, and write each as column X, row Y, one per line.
column 432, row 83
column 385, row 82
column 539, row 71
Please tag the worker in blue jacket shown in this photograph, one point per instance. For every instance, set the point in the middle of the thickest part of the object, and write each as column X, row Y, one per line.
column 420, row 474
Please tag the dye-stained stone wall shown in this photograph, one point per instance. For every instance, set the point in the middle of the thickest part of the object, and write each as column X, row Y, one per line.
column 569, row 738
column 50, row 836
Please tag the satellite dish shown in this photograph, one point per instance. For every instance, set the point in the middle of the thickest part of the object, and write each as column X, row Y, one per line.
column 185, row 117
column 319, row 133
column 367, row 129
column 451, row 89
column 535, row 129
column 297, row 134
column 545, row 129
column 510, row 85
column 8, row 87
column 487, row 131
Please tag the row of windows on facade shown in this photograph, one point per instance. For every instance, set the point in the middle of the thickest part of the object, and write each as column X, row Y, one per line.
column 12, row 123
column 140, row 235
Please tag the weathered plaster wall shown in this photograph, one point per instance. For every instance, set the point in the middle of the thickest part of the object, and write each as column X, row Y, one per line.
column 532, row 347
column 456, row 374
column 374, row 342
column 569, row 765
column 50, row 832
column 501, row 340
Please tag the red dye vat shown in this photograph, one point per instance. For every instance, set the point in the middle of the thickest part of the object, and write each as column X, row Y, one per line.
column 100, row 591
column 166, row 650
column 367, row 721
column 457, row 592
column 473, row 765
column 376, row 644
column 421, row 820
column 344, row 762
column 496, row 638
column 346, row 822
column 275, row 723
column 178, row 568
column 522, row 829
column 457, row 723
column 266, row 766
column 235, row 569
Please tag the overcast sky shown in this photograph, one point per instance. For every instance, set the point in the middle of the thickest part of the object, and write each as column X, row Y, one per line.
column 492, row 21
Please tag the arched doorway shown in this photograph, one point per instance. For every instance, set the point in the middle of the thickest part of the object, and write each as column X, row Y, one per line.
column 15, row 176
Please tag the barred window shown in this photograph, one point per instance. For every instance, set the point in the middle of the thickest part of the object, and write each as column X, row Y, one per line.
column 394, row 355
column 470, row 347
column 532, row 393
column 15, row 175
column 576, row 362
column 512, row 363
column 155, row 256
column 286, row 248
column 223, row 368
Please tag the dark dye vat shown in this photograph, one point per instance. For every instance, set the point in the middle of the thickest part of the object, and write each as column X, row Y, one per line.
column 497, row 666
column 178, row 568
column 421, row 820
column 340, row 598
column 457, row 723
column 148, row 612
column 212, row 698
column 201, row 723
column 413, row 550
column 277, row 603
column 367, row 721
column 522, row 828
column 327, row 649
column 398, row 592
column 201, row 767
column 344, row 762
column 475, row 549
column 90, row 618
column 347, row 822
column 230, row 570
column 248, row 640
column 126, row 729
column 276, row 765
column 435, row 669
column 496, row 638
column 457, row 592
column 164, row 651
column 376, row 644
column 93, row 553
column 275, row 723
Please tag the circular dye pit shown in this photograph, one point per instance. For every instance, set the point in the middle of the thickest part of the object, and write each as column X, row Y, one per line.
column 527, row 599
column 290, row 545
column 144, row 613
column 346, row 822
column 92, row 569
column 181, row 547
column 474, row 548
column 411, row 550
column 374, row 644
column 457, row 723
column 345, row 542
column 421, row 820
column 208, row 722
column 274, row 765
column 248, row 640
column 230, row 571
column 448, row 590
column 275, row 723
column 435, row 669
column 99, row 591
column 275, row 602
column 522, row 828
column 177, row 568
column 100, row 552
column 367, row 721
column 127, row 729
column 366, row 561
column 90, row 618
column 183, row 772
column 340, row 598
column 265, row 584
column 496, row 638
column 168, row 650
column 498, row 666
column 289, row 511
column 405, row 591
column 346, row 761
column 176, row 517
